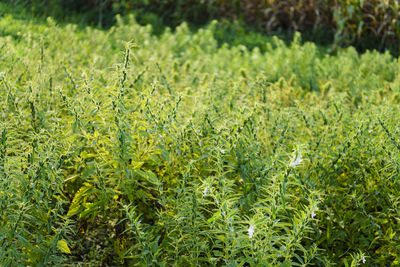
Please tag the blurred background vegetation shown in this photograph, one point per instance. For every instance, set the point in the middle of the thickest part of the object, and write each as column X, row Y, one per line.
column 365, row 24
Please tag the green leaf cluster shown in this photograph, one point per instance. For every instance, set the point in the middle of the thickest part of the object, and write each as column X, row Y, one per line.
column 121, row 147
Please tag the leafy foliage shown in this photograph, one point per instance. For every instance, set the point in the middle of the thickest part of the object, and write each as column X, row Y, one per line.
column 171, row 150
column 364, row 24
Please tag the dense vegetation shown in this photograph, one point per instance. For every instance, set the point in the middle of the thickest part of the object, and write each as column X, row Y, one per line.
column 366, row 24
column 118, row 147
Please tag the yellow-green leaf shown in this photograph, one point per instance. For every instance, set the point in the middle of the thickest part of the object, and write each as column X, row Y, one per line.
column 78, row 199
column 62, row 245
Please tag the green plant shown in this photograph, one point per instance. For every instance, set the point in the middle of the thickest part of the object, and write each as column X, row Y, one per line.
column 120, row 147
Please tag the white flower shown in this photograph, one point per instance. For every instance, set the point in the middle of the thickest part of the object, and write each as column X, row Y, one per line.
column 205, row 191
column 296, row 161
column 363, row 259
column 251, row 231
column 313, row 214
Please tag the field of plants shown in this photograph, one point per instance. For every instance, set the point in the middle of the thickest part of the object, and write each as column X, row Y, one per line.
column 123, row 148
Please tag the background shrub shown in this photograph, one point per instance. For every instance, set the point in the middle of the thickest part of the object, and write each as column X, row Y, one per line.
column 364, row 24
